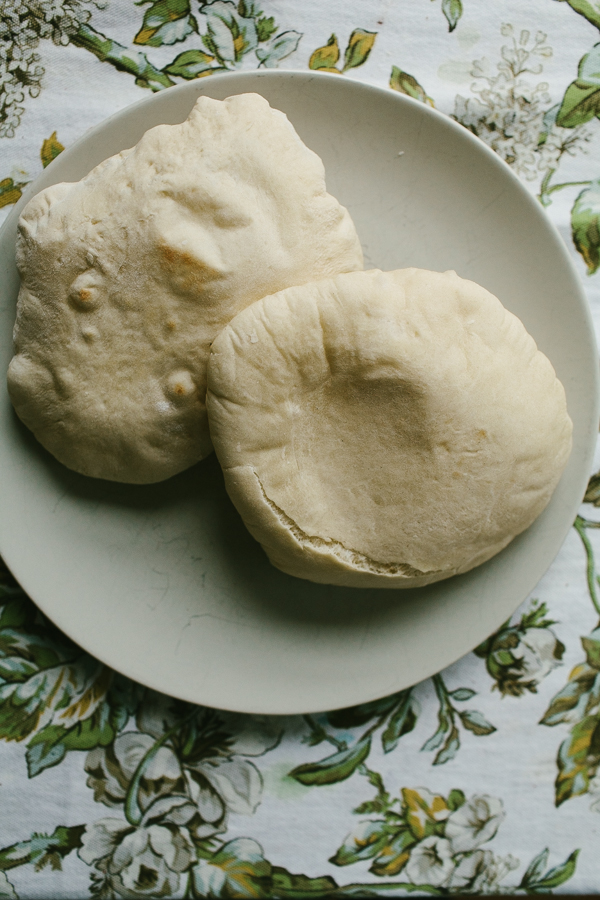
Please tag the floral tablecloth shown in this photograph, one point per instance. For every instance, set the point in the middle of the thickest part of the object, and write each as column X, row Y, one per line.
column 482, row 779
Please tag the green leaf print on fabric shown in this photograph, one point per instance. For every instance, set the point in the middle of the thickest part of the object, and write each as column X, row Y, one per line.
column 395, row 716
column 192, row 64
column 579, row 105
column 166, row 22
column 39, row 680
column 582, row 525
column 548, row 123
column 519, row 656
column 589, row 9
column 49, row 746
column 591, row 645
column 10, row 191
column 367, row 840
column 238, row 869
column 43, row 849
column 446, row 740
column 402, row 720
column 585, row 226
column 122, row 58
column 172, row 781
column 358, row 49
column 265, row 25
column 51, row 148
column 325, row 58
column 452, row 10
column 399, row 711
column 579, row 754
column 535, row 883
column 592, row 494
column 474, row 721
column 352, row 716
column 51, row 692
column 334, row 768
column 234, row 31
column 231, row 32
column 577, row 704
column 436, row 843
column 297, row 887
column 229, row 35
column 536, row 868
column 282, row 46
column 583, row 681
column 530, row 132
column 407, row 84
column 151, row 860
column 582, row 98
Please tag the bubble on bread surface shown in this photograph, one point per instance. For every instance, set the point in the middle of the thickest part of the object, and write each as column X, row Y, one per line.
column 90, row 334
column 387, row 429
column 181, row 387
column 128, row 276
column 86, row 291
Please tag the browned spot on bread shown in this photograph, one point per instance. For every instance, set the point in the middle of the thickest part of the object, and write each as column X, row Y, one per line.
column 188, row 274
column 85, row 295
column 177, row 257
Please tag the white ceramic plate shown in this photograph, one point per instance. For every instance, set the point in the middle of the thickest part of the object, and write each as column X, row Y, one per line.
column 163, row 582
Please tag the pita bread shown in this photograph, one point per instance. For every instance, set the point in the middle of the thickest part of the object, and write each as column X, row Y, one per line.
column 128, row 275
column 385, row 429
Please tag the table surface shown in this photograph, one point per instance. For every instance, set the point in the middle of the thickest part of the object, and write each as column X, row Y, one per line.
column 481, row 779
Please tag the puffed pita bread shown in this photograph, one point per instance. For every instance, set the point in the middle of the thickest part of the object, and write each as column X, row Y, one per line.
column 385, row 429
column 128, row 275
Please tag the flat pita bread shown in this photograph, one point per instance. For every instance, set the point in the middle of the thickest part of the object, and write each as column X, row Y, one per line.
column 385, row 429
column 128, row 275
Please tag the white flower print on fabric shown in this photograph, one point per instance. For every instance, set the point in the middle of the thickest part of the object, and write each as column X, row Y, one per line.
column 430, row 862
column 476, row 822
